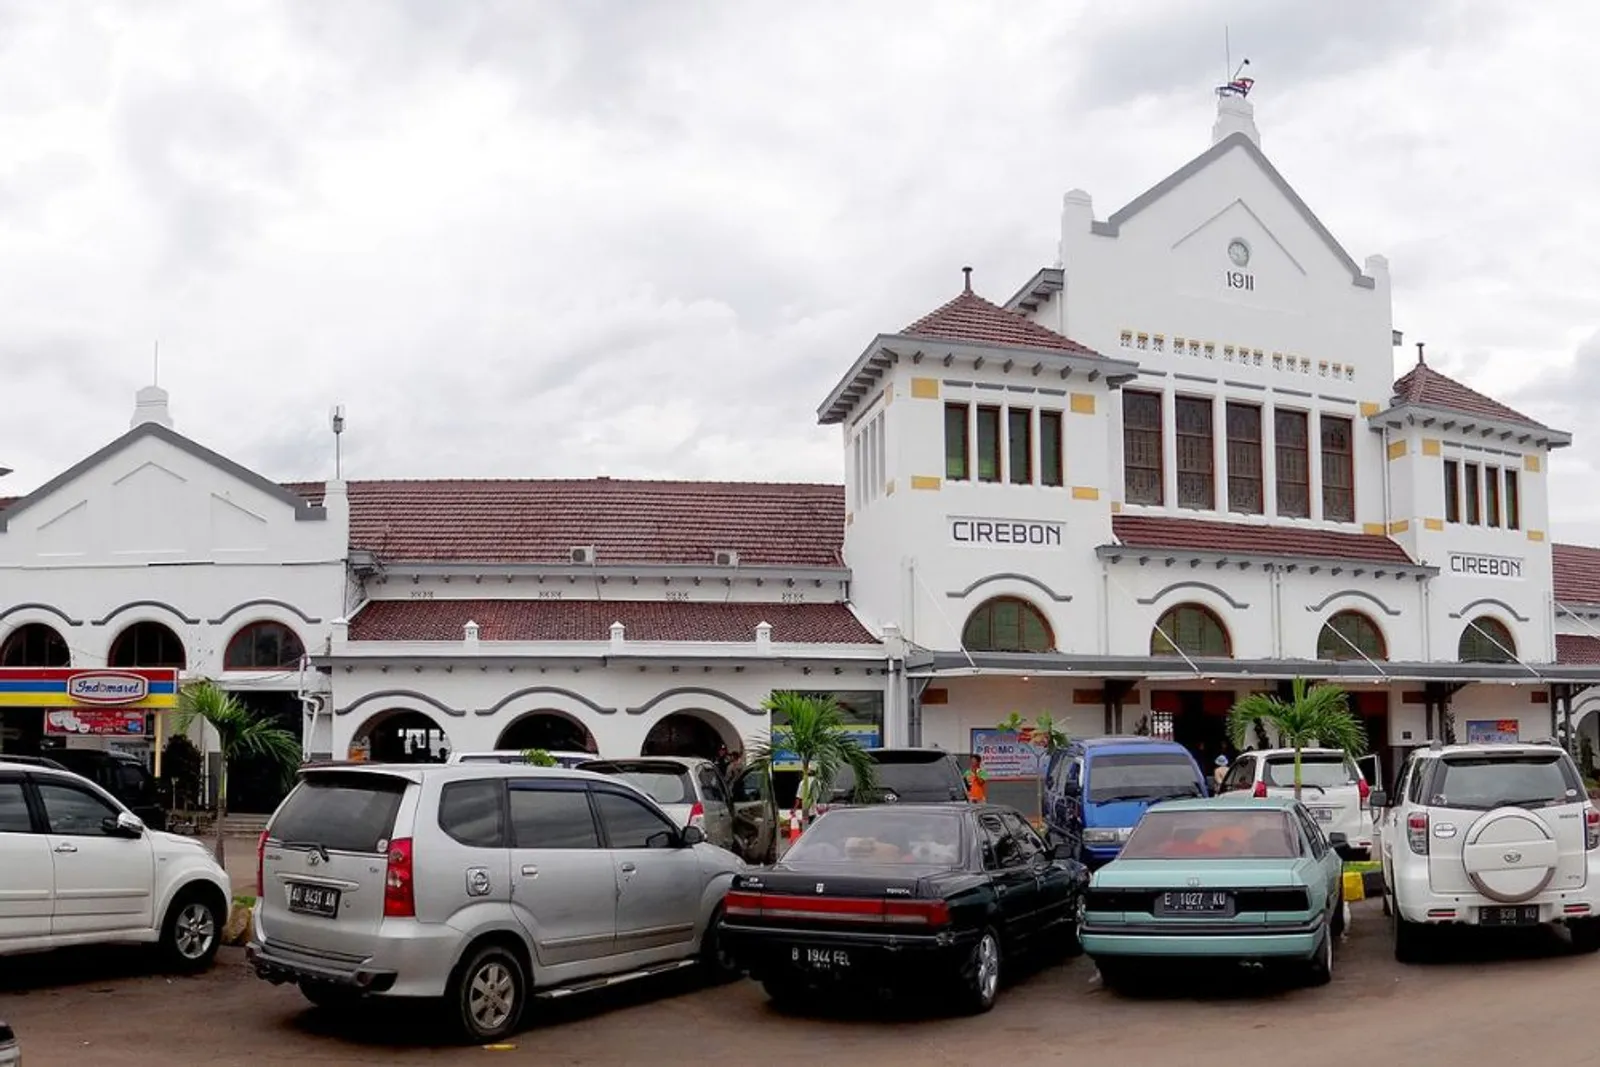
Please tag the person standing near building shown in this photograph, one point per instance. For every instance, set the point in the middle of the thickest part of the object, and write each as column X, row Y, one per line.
column 1221, row 772
column 977, row 781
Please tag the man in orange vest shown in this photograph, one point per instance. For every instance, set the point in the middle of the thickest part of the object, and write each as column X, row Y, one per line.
column 977, row 781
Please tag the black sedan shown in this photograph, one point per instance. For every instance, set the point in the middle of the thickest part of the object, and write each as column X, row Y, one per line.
column 918, row 898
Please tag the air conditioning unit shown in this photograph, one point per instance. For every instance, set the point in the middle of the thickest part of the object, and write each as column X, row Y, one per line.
column 727, row 557
column 583, row 554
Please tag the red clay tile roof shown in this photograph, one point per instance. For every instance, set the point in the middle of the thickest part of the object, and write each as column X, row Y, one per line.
column 1427, row 387
column 1577, row 573
column 1578, row 649
column 1155, row 531
column 311, row 492
column 590, row 620
column 971, row 318
column 529, row 521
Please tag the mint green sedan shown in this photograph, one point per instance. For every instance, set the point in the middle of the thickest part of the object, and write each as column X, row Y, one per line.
column 1229, row 879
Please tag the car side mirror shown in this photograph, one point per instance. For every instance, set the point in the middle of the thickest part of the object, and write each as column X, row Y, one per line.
column 1377, row 799
column 1338, row 839
column 692, row 835
column 126, row 824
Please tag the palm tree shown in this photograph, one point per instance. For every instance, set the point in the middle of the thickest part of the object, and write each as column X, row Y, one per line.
column 241, row 731
column 1043, row 734
column 814, row 732
column 1319, row 715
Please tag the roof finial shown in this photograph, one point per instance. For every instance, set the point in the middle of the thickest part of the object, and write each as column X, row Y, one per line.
column 967, row 273
column 1420, row 360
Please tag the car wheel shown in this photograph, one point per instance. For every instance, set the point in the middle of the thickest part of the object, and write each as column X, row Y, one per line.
column 487, row 994
column 1339, row 908
column 1410, row 939
column 720, row 966
column 1585, row 934
column 980, row 975
column 329, row 996
column 1320, row 969
column 191, row 933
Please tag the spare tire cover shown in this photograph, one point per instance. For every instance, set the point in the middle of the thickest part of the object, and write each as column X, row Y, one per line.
column 1510, row 855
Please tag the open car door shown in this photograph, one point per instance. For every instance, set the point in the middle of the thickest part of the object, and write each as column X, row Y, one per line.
column 755, row 816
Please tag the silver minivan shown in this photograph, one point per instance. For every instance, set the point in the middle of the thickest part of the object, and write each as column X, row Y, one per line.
column 483, row 885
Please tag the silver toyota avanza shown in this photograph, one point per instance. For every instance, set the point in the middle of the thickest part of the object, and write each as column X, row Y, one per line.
column 484, row 885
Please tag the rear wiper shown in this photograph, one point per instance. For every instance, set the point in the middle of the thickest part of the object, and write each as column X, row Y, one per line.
column 313, row 846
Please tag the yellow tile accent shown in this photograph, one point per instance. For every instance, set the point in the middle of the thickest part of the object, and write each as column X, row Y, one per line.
column 1399, row 526
column 1430, row 446
column 1083, row 403
column 1433, row 524
column 1536, row 535
column 1085, row 492
column 1374, row 528
column 888, row 394
column 925, row 389
column 923, row 481
column 1116, row 507
column 1396, row 449
column 849, row 518
column 1368, row 409
column 1530, row 463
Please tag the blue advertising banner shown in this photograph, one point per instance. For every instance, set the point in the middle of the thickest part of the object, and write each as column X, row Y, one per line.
column 784, row 760
column 1006, row 755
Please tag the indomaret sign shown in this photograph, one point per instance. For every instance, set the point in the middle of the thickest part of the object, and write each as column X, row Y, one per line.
column 975, row 531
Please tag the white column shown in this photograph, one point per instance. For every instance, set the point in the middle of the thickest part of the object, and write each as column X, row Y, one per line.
column 1269, row 460
column 1314, row 461
column 1219, row 443
column 1169, row 447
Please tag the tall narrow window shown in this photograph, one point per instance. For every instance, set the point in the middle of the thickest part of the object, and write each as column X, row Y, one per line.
column 1513, row 501
column 1294, row 464
column 1338, row 470
column 957, row 444
column 1141, row 447
column 1244, row 459
column 860, row 467
column 1452, row 491
column 1019, row 445
column 1051, row 466
column 1470, row 472
column 883, row 453
column 1491, row 496
column 988, row 444
column 1196, row 454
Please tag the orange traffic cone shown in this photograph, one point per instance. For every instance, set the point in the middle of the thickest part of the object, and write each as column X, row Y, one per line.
column 794, row 824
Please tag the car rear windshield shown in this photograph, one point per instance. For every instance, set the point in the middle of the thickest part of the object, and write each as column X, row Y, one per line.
column 665, row 783
column 1215, row 834
column 881, row 835
column 1141, row 776
column 910, row 776
column 1524, row 780
column 347, row 813
column 1322, row 770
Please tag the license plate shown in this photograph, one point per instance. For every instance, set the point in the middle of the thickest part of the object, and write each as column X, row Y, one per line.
column 1323, row 814
column 1508, row 915
column 821, row 959
column 313, row 899
column 1207, row 902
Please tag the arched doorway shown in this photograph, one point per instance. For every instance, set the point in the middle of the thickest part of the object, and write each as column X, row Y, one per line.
column 147, row 644
column 699, row 734
column 553, row 731
column 33, row 644
column 400, row 736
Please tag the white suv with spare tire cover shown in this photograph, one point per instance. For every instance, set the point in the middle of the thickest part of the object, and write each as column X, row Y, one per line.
column 1489, row 835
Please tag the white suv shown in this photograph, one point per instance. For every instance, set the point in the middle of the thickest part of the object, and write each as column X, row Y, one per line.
column 1331, row 787
column 1489, row 835
column 78, row 868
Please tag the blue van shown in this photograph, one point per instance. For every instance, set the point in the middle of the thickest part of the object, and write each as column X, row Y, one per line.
column 1097, row 789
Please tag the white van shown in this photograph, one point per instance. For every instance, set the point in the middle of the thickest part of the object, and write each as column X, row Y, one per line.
column 1332, row 788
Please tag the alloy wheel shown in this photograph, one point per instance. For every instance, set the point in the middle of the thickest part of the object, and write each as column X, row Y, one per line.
column 194, row 930
column 492, row 995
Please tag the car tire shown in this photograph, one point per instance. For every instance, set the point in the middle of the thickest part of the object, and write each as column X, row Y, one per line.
column 191, row 933
column 720, row 967
column 979, row 977
column 1338, row 922
column 486, row 995
column 328, row 996
column 1319, row 970
column 1585, row 934
column 1410, row 939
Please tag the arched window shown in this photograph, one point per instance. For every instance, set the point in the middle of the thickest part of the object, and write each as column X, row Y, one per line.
column 147, row 644
column 1487, row 640
column 35, row 645
column 1348, row 631
column 1194, row 629
column 264, row 646
column 1007, row 624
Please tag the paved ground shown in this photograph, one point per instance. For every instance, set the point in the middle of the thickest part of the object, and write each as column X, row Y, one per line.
column 95, row 1008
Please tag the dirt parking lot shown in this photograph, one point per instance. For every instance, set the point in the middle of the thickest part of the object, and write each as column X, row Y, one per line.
column 97, row 1008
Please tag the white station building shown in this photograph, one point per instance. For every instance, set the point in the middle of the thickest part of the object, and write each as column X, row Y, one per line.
column 1177, row 466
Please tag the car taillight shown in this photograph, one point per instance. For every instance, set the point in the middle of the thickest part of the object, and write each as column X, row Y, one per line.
column 1592, row 823
column 1365, row 790
column 697, row 815
column 1260, row 790
column 399, row 896
column 261, row 865
column 1417, row 833
column 840, row 909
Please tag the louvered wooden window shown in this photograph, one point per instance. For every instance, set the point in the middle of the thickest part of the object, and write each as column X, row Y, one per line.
column 1244, row 459
column 1141, row 447
column 1294, row 465
column 1197, row 484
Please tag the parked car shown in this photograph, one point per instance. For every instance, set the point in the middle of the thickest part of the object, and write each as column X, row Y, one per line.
column 1489, row 835
column 516, row 755
column 10, row 1052
column 905, row 776
column 1097, row 789
column 77, row 867
column 481, row 884
column 694, row 793
column 123, row 776
column 1332, row 787
column 1231, row 878
column 917, row 898
column 31, row 761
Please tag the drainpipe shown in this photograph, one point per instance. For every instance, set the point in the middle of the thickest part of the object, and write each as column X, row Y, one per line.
column 1275, row 606
column 1386, row 509
column 1427, row 621
column 1105, row 608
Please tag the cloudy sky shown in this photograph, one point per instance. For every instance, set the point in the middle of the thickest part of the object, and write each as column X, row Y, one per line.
column 644, row 238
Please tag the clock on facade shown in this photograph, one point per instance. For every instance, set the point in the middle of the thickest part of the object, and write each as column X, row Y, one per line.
column 1239, row 252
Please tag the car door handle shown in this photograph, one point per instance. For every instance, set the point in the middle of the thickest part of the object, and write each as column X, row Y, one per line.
column 66, row 846
column 530, row 870
column 628, row 868
column 1001, row 891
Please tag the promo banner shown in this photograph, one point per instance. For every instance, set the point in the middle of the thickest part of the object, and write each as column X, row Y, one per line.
column 1007, row 755
column 98, row 722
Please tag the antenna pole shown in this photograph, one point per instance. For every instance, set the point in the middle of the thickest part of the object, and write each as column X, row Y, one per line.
column 155, row 369
column 1227, row 54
